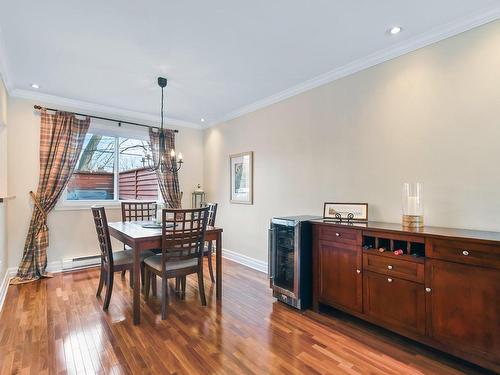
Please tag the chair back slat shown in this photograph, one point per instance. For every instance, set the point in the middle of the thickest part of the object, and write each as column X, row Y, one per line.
column 101, row 227
column 183, row 233
column 138, row 211
column 212, row 213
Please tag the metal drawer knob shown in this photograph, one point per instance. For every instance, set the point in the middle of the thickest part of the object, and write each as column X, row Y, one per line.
column 428, row 290
column 465, row 252
column 358, row 271
column 389, row 267
column 389, row 280
column 337, row 234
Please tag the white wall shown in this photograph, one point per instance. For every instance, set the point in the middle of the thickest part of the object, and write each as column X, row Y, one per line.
column 71, row 232
column 3, row 139
column 3, row 185
column 431, row 116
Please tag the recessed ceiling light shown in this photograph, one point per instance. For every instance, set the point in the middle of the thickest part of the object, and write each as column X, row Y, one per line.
column 35, row 86
column 202, row 120
column 395, row 30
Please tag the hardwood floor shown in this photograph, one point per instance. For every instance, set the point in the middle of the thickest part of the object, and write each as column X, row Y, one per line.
column 57, row 326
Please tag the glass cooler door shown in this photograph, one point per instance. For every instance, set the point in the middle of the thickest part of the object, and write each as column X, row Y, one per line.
column 282, row 256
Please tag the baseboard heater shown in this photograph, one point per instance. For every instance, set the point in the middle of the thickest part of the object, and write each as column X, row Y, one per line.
column 81, row 262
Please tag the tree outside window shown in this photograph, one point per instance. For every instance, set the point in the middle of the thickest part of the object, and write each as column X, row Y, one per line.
column 111, row 168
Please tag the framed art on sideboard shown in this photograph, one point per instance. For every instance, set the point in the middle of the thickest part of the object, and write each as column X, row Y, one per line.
column 345, row 211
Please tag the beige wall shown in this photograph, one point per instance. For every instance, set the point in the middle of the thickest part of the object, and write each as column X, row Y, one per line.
column 3, row 139
column 71, row 232
column 432, row 116
column 3, row 183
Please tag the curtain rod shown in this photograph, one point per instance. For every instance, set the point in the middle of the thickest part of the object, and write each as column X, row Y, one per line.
column 39, row 107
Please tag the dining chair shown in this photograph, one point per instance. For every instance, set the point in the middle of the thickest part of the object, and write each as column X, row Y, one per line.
column 183, row 238
column 111, row 262
column 180, row 283
column 212, row 213
column 138, row 211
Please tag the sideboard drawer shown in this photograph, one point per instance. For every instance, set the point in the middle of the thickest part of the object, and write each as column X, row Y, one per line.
column 464, row 252
column 343, row 235
column 394, row 267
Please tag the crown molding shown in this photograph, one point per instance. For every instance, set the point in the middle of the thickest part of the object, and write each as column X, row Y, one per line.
column 96, row 108
column 433, row 36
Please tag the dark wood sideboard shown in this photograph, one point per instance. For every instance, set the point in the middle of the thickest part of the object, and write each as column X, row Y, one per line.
column 443, row 291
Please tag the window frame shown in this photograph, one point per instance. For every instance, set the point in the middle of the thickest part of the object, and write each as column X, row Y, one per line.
column 103, row 128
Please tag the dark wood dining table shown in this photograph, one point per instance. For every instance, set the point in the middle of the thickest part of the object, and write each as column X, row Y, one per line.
column 133, row 234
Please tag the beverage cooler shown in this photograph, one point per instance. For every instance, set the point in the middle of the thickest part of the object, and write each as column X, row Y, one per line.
column 290, row 260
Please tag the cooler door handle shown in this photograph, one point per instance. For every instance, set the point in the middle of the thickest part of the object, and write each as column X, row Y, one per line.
column 270, row 261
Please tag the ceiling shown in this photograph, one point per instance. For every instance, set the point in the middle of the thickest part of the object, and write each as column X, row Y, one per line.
column 222, row 57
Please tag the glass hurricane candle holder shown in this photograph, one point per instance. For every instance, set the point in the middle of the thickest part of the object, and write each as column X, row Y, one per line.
column 413, row 204
column 159, row 212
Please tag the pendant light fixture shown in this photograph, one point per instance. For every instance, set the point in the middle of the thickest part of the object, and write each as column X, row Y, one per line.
column 175, row 159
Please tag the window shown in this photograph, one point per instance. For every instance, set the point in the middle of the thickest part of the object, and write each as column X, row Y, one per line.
column 135, row 180
column 112, row 167
column 94, row 175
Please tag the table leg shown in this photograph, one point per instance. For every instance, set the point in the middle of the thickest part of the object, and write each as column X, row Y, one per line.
column 218, row 267
column 137, row 284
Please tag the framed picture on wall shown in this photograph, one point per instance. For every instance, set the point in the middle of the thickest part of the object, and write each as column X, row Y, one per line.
column 241, row 177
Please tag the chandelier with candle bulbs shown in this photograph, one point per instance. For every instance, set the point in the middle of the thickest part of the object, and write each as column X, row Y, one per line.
column 175, row 160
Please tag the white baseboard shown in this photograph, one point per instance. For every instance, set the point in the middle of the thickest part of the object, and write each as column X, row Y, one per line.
column 51, row 267
column 68, row 266
column 4, row 285
column 64, row 266
column 54, row 267
column 245, row 260
column 11, row 272
column 81, row 262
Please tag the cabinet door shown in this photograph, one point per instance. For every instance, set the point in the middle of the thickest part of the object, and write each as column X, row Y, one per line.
column 463, row 307
column 398, row 303
column 340, row 281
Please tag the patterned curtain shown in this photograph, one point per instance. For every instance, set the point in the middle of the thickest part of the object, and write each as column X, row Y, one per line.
column 168, row 180
column 61, row 140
